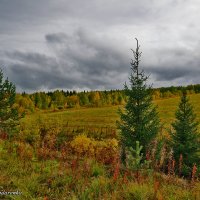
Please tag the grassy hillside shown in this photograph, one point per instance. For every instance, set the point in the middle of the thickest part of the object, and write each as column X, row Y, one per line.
column 107, row 116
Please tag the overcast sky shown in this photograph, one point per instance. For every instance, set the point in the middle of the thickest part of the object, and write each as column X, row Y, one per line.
column 85, row 44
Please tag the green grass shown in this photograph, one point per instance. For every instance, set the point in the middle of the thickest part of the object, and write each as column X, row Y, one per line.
column 168, row 107
column 96, row 117
column 107, row 116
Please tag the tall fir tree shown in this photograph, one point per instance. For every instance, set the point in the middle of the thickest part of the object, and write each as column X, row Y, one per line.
column 9, row 117
column 139, row 120
column 185, row 139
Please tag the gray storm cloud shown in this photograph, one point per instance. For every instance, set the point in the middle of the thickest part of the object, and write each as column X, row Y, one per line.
column 78, row 61
column 47, row 45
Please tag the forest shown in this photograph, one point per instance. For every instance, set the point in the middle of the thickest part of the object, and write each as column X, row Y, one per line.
column 60, row 99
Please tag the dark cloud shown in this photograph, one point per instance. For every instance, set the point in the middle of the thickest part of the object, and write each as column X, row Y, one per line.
column 36, row 79
column 90, row 54
column 94, row 58
column 170, row 74
column 77, row 63
column 56, row 37
column 175, row 63
column 31, row 59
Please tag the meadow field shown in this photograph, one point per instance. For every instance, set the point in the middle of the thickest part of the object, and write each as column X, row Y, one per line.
column 74, row 154
column 107, row 116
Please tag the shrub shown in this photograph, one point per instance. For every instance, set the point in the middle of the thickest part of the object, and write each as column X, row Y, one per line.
column 82, row 145
column 104, row 151
column 24, row 150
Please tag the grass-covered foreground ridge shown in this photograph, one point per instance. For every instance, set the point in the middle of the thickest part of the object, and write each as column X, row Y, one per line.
column 83, row 175
column 74, row 154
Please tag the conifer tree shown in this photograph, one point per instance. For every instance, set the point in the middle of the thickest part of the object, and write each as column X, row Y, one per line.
column 8, row 114
column 184, row 136
column 139, row 120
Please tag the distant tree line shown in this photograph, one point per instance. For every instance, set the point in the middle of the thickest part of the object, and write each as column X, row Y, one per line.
column 60, row 99
column 166, row 92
